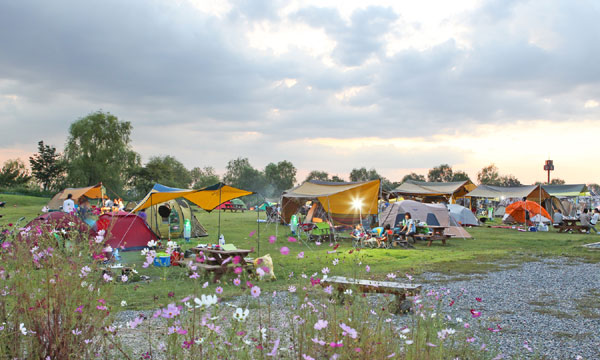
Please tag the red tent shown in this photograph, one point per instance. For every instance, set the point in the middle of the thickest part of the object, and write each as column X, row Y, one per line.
column 57, row 220
column 515, row 212
column 125, row 230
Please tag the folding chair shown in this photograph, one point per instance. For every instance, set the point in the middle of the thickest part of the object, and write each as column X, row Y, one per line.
column 322, row 231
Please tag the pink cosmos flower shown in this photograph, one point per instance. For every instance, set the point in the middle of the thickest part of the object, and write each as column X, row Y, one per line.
column 306, row 357
column 328, row 289
column 478, row 299
column 194, row 275
column 475, row 314
column 284, row 250
column 79, row 309
column 252, row 233
column 101, row 307
column 237, row 259
column 321, row 324
column 467, row 325
column 300, row 255
column 238, row 270
column 470, row 339
column 336, row 344
column 237, row 281
column 255, row 291
column 272, row 239
column 219, row 290
column 431, row 345
column 292, row 239
column 347, row 330
column 527, row 347
column 367, row 268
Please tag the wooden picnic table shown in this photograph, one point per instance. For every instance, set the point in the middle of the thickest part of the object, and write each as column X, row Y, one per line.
column 233, row 207
column 399, row 290
column 570, row 225
column 218, row 261
column 437, row 233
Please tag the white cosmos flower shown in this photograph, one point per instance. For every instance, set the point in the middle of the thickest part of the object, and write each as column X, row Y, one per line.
column 145, row 251
column 23, row 329
column 152, row 243
column 241, row 314
column 123, row 303
column 348, row 292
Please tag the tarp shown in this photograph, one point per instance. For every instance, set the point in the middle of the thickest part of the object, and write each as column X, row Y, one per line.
column 515, row 212
column 345, row 201
column 208, row 198
column 125, row 230
column 462, row 215
column 91, row 192
column 432, row 214
column 567, row 190
column 455, row 189
column 531, row 192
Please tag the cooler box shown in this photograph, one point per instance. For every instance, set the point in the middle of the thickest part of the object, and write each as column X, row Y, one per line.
column 162, row 260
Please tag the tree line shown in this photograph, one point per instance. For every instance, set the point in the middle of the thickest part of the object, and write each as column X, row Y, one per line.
column 98, row 149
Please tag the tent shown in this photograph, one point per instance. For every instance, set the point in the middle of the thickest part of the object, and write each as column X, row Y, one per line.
column 567, row 190
column 432, row 214
column 531, row 192
column 228, row 203
column 515, row 213
column 58, row 220
column 125, row 230
column 345, row 202
column 91, row 192
column 208, row 198
column 500, row 211
column 462, row 215
column 167, row 219
column 448, row 190
column 266, row 204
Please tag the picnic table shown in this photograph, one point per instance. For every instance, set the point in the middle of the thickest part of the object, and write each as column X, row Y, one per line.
column 399, row 290
column 233, row 207
column 569, row 225
column 219, row 261
column 437, row 233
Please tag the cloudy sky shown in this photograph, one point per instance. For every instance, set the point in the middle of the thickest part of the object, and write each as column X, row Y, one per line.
column 395, row 85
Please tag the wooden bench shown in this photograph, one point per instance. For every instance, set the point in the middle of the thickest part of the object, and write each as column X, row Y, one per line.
column 400, row 291
column 570, row 225
column 437, row 233
column 233, row 207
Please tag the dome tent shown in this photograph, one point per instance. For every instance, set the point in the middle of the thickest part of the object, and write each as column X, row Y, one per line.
column 462, row 215
column 168, row 218
column 516, row 213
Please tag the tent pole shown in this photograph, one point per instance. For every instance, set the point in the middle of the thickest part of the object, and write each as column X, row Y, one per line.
column 219, row 231
column 257, row 232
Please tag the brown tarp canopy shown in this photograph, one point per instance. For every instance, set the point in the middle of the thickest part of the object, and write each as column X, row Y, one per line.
column 90, row 192
column 531, row 192
column 454, row 190
column 345, row 201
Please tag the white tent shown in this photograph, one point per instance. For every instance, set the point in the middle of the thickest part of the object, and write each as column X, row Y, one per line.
column 462, row 215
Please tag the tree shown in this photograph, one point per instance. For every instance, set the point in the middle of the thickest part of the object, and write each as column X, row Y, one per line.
column 318, row 175
column 509, row 180
column 202, row 177
column 280, row 176
column 47, row 166
column 363, row 174
column 14, row 173
column 441, row 173
column 335, row 178
column 98, row 150
column 594, row 188
column 413, row 176
column 242, row 175
column 460, row 176
column 168, row 171
column 557, row 181
column 489, row 175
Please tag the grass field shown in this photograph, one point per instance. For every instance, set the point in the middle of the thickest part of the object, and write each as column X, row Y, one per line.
column 486, row 251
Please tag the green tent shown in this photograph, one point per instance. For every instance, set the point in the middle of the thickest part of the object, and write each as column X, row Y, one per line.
column 266, row 204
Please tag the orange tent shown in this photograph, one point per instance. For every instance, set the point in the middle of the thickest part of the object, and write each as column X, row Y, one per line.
column 515, row 212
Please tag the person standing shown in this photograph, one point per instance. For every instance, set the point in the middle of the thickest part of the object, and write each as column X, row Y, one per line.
column 68, row 204
column 594, row 220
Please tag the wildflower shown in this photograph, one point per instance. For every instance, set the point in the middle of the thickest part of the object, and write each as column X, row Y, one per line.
column 409, row 277
column 236, row 259
column 431, row 345
column 219, row 290
column 467, row 325
column 292, row 289
column 206, row 301
column 367, row 268
column 347, row 330
column 306, row 357
column 405, row 331
column 23, row 329
column 445, row 333
column 205, row 285
column 237, row 281
column 292, row 239
column 328, row 289
column 409, row 342
column 284, row 250
column 470, row 339
column 101, row 307
column 348, row 292
column 325, row 270
column 79, row 309
column 123, row 303
column 478, row 299
column 238, row 270
column 391, row 276
column 272, row 239
column 252, row 233
column 260, row 272
column 336, row 344
column 107, row 278
column 318, row 243
column 194, row 275
column 135, row 322
column 76, row 332
column 525, row 345
column 255, row 291
column 171, row 294
column 300, row 255
column 335, row 261
column 240, row 314
column 475, row 314
column 87, row 341
column 145, row 251
column 85, row 271
column 124, row 278
column 321, row 324
column 459, row 320
column 152, row 243
column 170, row 311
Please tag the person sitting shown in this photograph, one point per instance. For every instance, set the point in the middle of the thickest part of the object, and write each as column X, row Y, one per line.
column 594, row 220
column 410, row 227
column 68, row 204
column 558, row 218
column 386, row 236
column 585, row 219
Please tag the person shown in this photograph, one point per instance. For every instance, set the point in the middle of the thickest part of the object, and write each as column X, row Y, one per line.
column 585, row 218
column 143, row 215
column 84, row 208
column 109, row 204
column 358, row 234
column 121, row 205
column 386, row 236
column 558, row 218
column 69, row 204
column 594, row 220
column 410, row 227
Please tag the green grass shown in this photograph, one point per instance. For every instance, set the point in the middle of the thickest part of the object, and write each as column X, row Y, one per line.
column 489, row 250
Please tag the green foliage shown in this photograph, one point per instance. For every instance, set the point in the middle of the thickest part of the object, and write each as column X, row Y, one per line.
column 509, row 180
column 202, row 177
column 441, row 173
column 14, row 173
column 280, row 176
column 460, row 176
column 490, row 175
column 47, row 166
column 363, row 174
column 168, row 171
column 318, row 175
column 413, row 176
column 99, row 150
column 557, row 181
column 242, row 175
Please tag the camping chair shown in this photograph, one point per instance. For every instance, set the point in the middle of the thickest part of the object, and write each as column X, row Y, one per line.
column 2, row 203
column 322, row 231
column 305, row 228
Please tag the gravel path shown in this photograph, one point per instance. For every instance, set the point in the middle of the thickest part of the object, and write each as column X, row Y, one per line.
column 554, row 304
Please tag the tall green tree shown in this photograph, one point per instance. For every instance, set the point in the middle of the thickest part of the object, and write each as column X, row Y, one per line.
column 318, row 175
column 335, row 178
column 241, row 174
column 280, row 176
column 14, row 173
column 47, row 166
column 460, row 176
column 202, row 177
column 363, row 174
column 413, row 176
column 441, row 173
column 557, row 181
column 508, row 180
column 489, row 175
column 99, row 150
column 168, row 171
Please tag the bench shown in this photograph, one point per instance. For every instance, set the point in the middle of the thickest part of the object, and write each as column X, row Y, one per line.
column 233, row 207
column 578, row 229
column 400, row 291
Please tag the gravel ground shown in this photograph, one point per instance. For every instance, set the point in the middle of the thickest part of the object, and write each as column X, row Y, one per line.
column 554, row 304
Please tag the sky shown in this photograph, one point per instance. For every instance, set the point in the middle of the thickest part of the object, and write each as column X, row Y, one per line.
column 399, row 86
